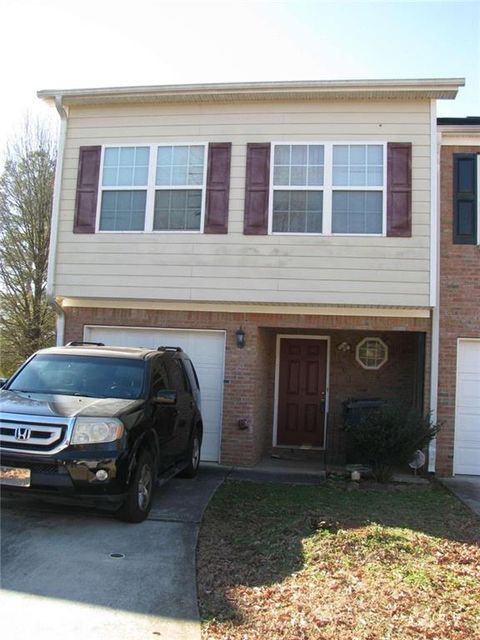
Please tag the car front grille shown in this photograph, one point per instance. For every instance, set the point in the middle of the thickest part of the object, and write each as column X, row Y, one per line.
column 31, row 433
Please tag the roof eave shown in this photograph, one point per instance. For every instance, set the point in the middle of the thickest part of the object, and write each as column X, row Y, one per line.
column 445, row 88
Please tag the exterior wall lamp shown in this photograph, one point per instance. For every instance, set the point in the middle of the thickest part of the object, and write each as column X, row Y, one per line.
column 240, row 338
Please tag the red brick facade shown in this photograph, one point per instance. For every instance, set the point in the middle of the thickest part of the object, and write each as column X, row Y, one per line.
column 250, row 372
column 459, row 307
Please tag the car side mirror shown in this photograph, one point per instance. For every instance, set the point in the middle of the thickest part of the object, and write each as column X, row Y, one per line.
column 3, row 382
column 165, row 396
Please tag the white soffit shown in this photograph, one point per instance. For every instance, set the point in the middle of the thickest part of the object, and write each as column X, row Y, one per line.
column 443, row 88
column 289, row 309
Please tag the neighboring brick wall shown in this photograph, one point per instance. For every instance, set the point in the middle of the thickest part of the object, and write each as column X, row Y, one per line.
column 250, row 372
column 459, row 307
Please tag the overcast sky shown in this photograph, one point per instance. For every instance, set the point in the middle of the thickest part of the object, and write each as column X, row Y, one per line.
column 47, row 44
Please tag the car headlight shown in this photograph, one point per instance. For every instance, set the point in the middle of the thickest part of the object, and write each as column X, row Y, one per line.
column 96, row 430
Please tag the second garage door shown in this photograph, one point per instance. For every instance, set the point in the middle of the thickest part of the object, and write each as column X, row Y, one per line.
column 467, row 413
column 207, row 351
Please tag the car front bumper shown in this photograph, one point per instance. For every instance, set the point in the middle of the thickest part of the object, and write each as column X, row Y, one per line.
column 72, row 474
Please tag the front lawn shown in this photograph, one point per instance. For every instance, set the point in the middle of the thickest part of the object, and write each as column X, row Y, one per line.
column 333, row 562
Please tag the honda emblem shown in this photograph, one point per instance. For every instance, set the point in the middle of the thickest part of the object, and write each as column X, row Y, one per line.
column 22, row 433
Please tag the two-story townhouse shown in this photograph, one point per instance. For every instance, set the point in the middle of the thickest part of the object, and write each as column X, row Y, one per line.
column 284, row 234
column 458, row 442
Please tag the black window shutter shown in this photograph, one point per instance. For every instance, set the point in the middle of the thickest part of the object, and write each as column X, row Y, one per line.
column 257, row 189
column 87, row 189
column 464, row 198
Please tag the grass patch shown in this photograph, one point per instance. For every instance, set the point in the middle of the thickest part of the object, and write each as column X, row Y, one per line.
column 326, row 562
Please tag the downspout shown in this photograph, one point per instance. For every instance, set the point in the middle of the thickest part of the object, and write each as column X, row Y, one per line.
column 52, row 253
column 435, row 142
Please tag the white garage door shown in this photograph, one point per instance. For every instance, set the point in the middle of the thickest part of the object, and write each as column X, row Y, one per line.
column 205, row 348
column 467, row 413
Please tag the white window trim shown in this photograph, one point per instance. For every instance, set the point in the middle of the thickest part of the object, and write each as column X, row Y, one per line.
column 327, row 188
column 151, row 187
column 363, row 365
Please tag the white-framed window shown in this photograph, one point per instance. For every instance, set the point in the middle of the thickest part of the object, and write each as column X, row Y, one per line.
column 371, row 353
column 328, row 188
column 152, row 188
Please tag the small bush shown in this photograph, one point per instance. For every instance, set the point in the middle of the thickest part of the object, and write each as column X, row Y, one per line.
column 389, row 436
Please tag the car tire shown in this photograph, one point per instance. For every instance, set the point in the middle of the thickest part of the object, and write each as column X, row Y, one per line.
column 193, row 458
column 139, row 498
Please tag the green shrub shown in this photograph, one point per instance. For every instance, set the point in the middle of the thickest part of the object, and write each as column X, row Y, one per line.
column 389, row 436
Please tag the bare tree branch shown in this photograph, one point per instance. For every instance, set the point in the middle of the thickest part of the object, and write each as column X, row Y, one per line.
column 26, row 191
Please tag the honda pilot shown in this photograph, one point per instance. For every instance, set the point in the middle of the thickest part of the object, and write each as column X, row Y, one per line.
column 100, row 424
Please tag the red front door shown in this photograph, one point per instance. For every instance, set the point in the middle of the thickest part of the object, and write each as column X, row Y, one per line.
column 302, row 392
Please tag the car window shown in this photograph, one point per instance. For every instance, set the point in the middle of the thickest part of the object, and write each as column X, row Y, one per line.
column 93, row 376
column 192, row 374
column 159, row 376
column 176, row 375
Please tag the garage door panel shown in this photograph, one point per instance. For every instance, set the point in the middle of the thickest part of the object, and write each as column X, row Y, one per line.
column 469, row 357
column 467, row 414
column 467, row 460
column 468, row 390
column 206, row 350
column 469, row 422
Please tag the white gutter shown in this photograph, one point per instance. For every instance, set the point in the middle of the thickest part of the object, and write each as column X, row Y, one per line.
column 433, row 88
column 52, row 253
column 435, row 149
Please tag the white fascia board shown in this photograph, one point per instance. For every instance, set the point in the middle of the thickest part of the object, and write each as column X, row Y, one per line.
column 459, row 129
column 445, row 88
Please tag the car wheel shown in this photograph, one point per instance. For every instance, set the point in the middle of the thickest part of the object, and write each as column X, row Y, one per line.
column 138, row 502
column 191, row 470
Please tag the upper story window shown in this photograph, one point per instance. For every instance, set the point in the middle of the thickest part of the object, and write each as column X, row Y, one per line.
column 179, row 181
column 328, row 188
column 124, row 188
column 152, row 188
column 298, row 188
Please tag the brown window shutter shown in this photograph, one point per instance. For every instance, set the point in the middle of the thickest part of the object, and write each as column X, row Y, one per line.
column 399, row 189
column 257, row 189
column 87, row 190
column 218, row 187
column 465, row 198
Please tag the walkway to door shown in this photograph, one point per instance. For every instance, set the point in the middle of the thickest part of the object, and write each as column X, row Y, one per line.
column 467, row 489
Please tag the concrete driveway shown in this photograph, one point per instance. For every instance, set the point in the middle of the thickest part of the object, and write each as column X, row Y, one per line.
column 61, row 577
column 467, row 490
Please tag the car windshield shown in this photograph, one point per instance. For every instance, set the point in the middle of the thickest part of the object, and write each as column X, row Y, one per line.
column 93, row 376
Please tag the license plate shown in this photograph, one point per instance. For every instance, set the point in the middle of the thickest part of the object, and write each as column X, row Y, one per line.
column 15, row 477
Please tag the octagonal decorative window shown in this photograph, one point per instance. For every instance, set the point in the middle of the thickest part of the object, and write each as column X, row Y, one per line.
column 371, row 353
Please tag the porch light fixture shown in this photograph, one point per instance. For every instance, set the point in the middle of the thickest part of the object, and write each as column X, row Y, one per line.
column 240, row 337
column 343, row 347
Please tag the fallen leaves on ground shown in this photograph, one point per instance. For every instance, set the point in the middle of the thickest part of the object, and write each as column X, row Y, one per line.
column 319, row 563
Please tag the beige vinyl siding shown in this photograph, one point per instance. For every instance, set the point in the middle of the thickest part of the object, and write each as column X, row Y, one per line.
column 234, row 267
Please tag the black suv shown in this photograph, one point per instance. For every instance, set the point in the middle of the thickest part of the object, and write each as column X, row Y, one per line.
column 100, row 424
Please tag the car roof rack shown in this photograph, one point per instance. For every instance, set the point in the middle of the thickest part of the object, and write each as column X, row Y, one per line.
column 177, row 349
column 81, row 343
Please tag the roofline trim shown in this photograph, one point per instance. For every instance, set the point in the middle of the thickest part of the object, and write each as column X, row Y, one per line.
column 424, row 88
